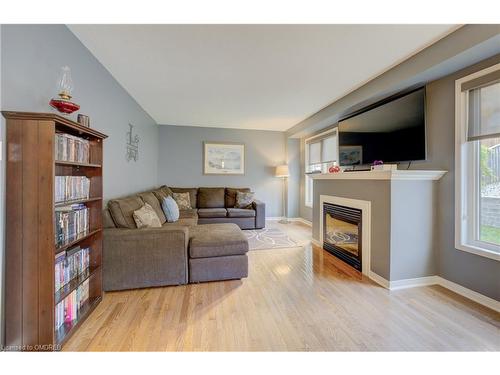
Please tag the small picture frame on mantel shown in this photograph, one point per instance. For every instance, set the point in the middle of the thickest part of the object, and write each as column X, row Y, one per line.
column 223, row 158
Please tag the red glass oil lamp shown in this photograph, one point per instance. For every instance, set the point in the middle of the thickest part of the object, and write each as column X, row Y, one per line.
column 64, row 104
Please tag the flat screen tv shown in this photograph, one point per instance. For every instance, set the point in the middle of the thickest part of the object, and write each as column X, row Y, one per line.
column 392, row 130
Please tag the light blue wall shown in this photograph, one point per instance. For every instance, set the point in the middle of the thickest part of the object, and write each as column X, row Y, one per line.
column 2, row 201
column 181, row 158
column 31, row 57
column 293, row 160
column 31, row 61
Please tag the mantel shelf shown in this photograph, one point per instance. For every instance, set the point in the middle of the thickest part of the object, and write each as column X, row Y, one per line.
column 381, row 175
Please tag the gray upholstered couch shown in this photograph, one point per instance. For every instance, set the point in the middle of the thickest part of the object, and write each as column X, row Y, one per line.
column 137, row 258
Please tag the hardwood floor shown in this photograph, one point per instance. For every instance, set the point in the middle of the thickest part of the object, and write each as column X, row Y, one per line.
column 297, row 299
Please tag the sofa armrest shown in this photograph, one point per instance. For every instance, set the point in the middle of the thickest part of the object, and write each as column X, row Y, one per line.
column 168, row 233
column 260, row 214
column 136, row 258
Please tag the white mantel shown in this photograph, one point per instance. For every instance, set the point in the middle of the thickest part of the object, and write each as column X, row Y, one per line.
column 381, row 175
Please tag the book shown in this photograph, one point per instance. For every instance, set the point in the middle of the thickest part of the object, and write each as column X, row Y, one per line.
column 67, row 188
column 70, row 264
column 68, row 310
column 71, row 148
column 71, row 223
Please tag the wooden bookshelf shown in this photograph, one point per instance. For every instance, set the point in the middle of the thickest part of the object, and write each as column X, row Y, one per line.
column 75, row 164
column 63, row 333
column 76, row 241
column 75, row 201
column 30, row 296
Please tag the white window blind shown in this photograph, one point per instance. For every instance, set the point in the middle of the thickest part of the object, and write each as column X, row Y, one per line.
column 329, row 150
column 322, row 149
column 321, row 152
column 315, row 153
column 484, row 112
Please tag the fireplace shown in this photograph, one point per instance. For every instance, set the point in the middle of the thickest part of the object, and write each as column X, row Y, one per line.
column 342, row 233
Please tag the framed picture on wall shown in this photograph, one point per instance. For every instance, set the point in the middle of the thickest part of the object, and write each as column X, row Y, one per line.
column 223, row 158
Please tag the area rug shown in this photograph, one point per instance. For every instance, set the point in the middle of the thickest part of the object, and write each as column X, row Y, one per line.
column 268, row 238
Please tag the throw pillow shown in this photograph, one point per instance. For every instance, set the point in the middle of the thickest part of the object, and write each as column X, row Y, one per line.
column 146, row 217
column 170, row 209
column 244, row 199
column 182, row 200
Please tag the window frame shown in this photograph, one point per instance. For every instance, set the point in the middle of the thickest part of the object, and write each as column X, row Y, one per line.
column 467, row 159
column 308, row 181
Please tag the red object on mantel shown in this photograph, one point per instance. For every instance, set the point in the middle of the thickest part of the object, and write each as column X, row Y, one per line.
column 334, row 169
column 64, row 106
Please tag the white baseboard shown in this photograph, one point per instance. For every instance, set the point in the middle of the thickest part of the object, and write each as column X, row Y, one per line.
column 274, row 218
column 412, row 283
column 437, row 280
column 316, row 242
column 470, row 294
column 420, row 281
column 293, row 219
column 301, row 220
column 379, row 280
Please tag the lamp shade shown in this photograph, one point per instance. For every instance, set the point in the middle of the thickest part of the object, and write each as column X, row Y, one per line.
column 282, row 171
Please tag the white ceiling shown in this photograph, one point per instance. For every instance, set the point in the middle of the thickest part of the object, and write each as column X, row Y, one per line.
column 248, row 76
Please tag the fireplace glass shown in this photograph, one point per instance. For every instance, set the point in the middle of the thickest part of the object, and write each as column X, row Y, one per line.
column 342, row 233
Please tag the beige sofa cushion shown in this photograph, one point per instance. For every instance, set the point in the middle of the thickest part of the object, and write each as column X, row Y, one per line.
column 122, row 210
column 211, row 212
column 244, row 199
column 230, row 196
column 162, row 192
column 211, row 197
column 107, row 220
column 187, row 221
column 145, row 217
column 150, row 198
column 240, row 212
column 188, row 214
column 183, row 200
column 193, row 193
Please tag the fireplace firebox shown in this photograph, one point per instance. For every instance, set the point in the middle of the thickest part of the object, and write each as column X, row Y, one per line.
column 342, row 233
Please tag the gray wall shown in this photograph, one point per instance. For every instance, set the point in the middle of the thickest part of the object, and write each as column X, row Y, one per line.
column 31, row 60
column 2, row 202
column 293, row 160
column 471, row 271
column 413, row 229
column 31, row 57
column 181, row 158
column 304, row 211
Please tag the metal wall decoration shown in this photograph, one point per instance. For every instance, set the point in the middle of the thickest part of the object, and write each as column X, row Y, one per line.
column 132, row 145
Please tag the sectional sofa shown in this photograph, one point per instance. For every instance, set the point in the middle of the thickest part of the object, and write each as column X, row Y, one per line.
column 179, row 252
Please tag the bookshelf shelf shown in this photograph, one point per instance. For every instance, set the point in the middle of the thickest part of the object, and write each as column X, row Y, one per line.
column 77, row 201
column 76, row 241
column 76, row 164
column 67, row 329
column 33, row 182
column 73, row 284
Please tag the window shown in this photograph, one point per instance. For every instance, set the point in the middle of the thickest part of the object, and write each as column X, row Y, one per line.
column 477, row 165
column 321, row 152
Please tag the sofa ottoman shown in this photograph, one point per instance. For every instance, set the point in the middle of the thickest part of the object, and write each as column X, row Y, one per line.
column 217, row 252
